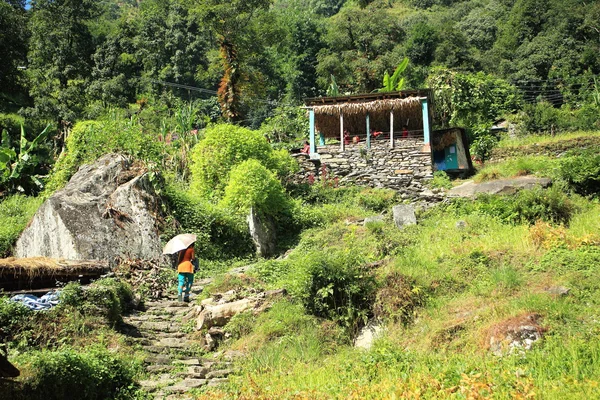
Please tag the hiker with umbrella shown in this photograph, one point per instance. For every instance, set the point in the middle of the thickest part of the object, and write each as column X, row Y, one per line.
column 187, row 263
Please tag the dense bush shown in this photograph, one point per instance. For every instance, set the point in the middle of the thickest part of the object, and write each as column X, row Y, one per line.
column 338, row 286
column 220, row 234
column 252, row 185
column 527, row 206
column 543, row 117
column 225, row 146
column 94, row 374
column 15, row 213
column 90, row 140
column 581, row 170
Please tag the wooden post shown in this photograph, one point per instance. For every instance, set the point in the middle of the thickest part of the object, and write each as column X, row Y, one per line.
column 392, row 129
column 341, row 131
column 313, row 144
column 368, row 132
column 426, row 131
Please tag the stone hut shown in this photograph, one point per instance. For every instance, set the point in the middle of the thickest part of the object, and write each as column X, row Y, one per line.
column 380, row 140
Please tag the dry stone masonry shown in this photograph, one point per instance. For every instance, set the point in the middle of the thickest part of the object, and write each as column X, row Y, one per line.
column 404, row 168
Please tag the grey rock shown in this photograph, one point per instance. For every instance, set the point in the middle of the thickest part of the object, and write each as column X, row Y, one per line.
column 404, row 214
column 461, row 224
column 262, row 231
column 107, row 210
column 558, row 290
column 217, row 382
column 500, row 186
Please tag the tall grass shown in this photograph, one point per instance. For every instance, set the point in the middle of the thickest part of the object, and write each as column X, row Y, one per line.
column 544, row 139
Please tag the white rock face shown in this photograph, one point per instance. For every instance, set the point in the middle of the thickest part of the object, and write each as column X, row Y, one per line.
column 107, row 210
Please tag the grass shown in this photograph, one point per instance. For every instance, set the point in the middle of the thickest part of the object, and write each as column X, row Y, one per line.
column 475, row 276
column 509, row 143
column 541, row 166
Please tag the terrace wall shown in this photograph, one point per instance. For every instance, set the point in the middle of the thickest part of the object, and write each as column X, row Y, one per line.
column 405, row 168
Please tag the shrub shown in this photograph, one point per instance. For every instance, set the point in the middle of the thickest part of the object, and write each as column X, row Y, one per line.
column 377, row 199
column 13, row 318
column 527, row 206
column 15, row 213
column 397, row 298
column 581, row 170
column 440, row 180
column 225, row 146
column 89, row 140
column 94, row 374
column 338, row 287
column 252, row 185
column 220, row 234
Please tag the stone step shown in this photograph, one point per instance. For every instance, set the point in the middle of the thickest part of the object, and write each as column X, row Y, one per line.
column 159, row 368
column 189, row 361
column 217, row 382
column 158, row 359
column 222, row 373
column 168, row 303
column 185, row 385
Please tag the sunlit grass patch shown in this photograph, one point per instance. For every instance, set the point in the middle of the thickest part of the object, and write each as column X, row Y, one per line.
column 515, row 167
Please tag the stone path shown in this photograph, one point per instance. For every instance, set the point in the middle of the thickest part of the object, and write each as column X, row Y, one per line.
column 175, row 362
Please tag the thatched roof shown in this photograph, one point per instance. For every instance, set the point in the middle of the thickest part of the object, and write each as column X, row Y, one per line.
column 409, row 104
column 24, row 271
column 406, row 106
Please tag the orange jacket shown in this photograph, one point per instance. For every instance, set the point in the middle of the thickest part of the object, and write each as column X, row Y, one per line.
column 185, row 263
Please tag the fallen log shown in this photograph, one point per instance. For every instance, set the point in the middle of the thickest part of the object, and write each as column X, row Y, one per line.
column 38, row 272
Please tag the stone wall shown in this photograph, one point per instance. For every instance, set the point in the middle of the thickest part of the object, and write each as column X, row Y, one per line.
column 404, row 168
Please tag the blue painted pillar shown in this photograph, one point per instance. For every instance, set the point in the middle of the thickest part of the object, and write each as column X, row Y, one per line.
column 368, row 132
column 426, row 129
column 313, row 143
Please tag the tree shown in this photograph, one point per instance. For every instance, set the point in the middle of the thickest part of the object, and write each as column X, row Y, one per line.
column 13, row 47
column 229, row 20
column 60, row 57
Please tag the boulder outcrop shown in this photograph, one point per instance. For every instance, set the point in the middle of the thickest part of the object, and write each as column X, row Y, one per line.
column 107, row 210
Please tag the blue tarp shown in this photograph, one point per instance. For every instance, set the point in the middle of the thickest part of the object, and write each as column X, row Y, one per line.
column 35, row 303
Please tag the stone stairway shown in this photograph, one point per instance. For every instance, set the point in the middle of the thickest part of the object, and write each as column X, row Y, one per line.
column 176, row 360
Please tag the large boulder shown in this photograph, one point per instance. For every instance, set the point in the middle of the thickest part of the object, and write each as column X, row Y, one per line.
column 107, row 210
column 404, row 214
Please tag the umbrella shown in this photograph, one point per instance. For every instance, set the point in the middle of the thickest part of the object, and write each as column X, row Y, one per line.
column 179, row 242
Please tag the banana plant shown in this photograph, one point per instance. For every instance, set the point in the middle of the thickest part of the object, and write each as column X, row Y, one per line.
column 394, row 82
column 333, row 90
column 16, row 168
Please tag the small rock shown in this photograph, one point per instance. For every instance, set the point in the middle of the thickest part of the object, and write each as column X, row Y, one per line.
column 404, row 214
column 558, row 290
column 376, row 218
column 461, row 224
column 217, row 382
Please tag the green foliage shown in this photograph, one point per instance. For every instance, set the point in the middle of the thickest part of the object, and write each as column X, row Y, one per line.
column 220, row 234
column 520, row 166
column 397, row 298
column 97, row 373
column 13, row 316
column 581, row 170
column 15, row 213
column 89, row 140
column 440, row 180
column 483, row 144
column 394, row 82
column 18, row 168
column 252, row 185
column 287, row 127
column 377, row 199
column 338, row 286
column 471, row 100
column 527, row 206
column 224, row 147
